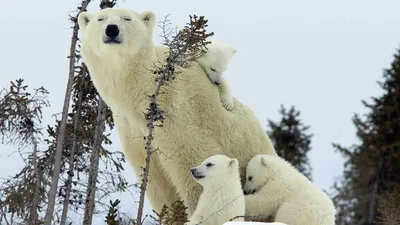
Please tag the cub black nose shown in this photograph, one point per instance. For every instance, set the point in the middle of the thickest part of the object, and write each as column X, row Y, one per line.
column 193, row 170
column 249, row 192
column 112, row 30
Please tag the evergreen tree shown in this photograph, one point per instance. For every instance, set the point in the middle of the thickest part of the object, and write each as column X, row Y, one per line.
column 85, row 166
column 372, row 167
column 291, row 140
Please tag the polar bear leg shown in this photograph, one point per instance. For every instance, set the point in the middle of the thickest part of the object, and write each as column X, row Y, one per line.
column 133, row 146
column 226, row 95
column 261, row 206
column 189, row 190
column 300, row 211
column 290, row 214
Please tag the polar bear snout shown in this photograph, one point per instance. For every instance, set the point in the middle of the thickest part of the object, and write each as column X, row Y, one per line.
column 112, row 31
column 196, row 174
column 249, row 191
column 112, row 34
column 248, row 188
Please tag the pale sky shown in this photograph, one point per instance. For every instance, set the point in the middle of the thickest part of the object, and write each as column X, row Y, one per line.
column 321, row 57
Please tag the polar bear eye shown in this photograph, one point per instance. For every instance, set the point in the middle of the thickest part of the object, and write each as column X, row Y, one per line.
column 250, row 178
column 212, row 69
column 209, row 164
column 100, row 19
column 127, row 19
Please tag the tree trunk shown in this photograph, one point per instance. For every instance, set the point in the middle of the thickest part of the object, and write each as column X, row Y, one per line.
column 94, row 164
column 34, row 207
column 61, row 134
column 77, row 116
column 373, row 207
column 3, row 216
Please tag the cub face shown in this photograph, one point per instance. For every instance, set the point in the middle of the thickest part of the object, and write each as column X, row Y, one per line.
column 216, row 60
column 258, row 172
column 215, row 169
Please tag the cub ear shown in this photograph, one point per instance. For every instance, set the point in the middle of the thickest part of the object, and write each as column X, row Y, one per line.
column 233, row 162
column 263, row 161
column 83, row 20
column 149, row 18
column 234, row 50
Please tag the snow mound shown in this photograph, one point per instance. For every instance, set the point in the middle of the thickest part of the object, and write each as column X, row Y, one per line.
column 251, row 223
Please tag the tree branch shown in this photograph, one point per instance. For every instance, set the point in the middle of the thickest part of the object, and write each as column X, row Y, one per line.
column 61, row 135
column 186, row 46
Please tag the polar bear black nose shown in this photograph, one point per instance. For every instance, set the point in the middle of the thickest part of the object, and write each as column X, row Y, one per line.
column 112, row 30
column 249, row 192
column 193, row 170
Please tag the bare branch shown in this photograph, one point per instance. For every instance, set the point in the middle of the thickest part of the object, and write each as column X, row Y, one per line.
column 186, row 46
column 21, row 114
column 73, row 148
column 3, row 215
column 61, row 135
column 94, row 165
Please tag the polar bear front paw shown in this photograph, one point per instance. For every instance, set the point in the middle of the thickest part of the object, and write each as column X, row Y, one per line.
column 227, row 102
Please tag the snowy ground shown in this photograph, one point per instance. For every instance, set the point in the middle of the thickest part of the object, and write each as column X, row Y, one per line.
column 251, row 223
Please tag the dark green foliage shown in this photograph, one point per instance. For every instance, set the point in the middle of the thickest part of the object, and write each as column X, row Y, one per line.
column 21, row 113
column 389, row 207
column 112, row 217
column 23, row 195
column 372, row 167
column 175, row 214
column 291, row 140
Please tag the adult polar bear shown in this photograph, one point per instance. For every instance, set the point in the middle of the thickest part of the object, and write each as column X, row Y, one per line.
column 118, row 50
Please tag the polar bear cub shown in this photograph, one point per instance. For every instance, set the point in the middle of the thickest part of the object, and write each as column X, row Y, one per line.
column 222, row 198
column 275, row 188
column 215, row 61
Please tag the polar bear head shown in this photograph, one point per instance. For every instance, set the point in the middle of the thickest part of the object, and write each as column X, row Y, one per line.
column 216, row 169
column 112, row 32
column 216, row 60
column 260, row 169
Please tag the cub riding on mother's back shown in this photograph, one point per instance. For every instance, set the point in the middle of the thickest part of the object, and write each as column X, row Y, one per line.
column 118, row 49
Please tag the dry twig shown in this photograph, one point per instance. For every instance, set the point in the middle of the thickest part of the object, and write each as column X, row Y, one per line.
column 63, row 125
column 188, row 45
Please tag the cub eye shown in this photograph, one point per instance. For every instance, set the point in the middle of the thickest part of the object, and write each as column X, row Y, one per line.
column 209, row 164
column 212, row 69
column 250, row 178
column 127, row 19
column 100, row 19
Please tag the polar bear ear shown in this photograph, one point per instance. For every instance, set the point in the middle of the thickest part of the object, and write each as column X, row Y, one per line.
column 83, row 20
column 149, row 18
column 234, row 50
column 263, row 161
column 233, row 162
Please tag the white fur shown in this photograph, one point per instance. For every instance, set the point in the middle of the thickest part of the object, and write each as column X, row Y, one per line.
column 196, row 125
column 222, row 198
column 215, row 61
column 284, row 193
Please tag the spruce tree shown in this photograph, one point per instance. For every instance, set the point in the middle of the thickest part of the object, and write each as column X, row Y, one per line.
column 291, row 140
column 372, row 168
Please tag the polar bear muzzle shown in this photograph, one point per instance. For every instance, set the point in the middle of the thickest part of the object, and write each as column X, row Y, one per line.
column 196, row 174
column 112, row 34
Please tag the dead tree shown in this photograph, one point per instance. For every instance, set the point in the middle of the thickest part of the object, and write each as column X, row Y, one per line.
column 61, row 135
column 187, row 45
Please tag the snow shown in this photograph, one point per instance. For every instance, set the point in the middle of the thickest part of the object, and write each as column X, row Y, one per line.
column 252, row 223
